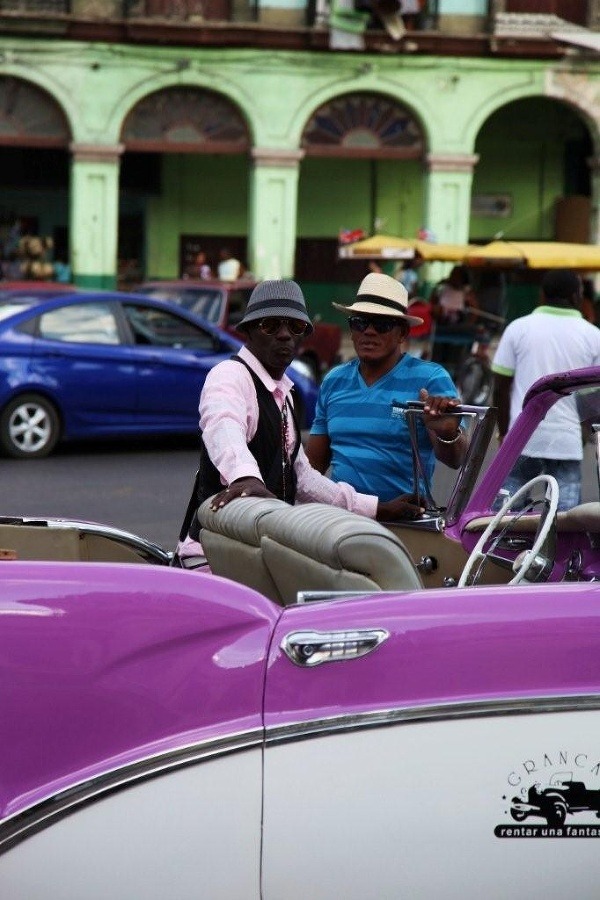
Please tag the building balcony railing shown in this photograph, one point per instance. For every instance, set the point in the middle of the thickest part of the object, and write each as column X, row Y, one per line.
column 372, row 25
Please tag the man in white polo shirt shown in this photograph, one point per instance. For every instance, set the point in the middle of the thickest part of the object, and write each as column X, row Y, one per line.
column 553, row 338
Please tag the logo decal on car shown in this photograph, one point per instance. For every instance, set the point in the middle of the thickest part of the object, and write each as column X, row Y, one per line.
column 553, row 796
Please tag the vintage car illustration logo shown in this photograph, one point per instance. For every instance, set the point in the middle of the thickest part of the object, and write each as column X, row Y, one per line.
column 553, row 796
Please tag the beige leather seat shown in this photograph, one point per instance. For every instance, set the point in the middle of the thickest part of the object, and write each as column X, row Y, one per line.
column 231, row 537
column 313, row 547
column 281, row 550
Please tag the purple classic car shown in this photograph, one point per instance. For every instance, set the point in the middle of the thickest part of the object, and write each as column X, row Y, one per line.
column 340, row 709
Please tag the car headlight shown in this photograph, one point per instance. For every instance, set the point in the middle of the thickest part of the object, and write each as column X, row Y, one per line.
column 302, row 368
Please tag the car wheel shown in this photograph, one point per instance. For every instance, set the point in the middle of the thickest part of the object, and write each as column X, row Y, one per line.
column 29, row 427
column 556, row 813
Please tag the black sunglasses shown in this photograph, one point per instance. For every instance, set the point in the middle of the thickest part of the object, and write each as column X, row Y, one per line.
column 381, row 324
column 272, row 325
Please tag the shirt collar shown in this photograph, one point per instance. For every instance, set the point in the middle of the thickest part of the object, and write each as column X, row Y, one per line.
column 284, row 386
column 558, row 311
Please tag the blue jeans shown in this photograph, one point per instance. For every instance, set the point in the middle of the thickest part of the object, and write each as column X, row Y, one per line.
column 566, row 471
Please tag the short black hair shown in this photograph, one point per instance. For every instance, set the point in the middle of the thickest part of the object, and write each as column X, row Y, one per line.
column 561, row 285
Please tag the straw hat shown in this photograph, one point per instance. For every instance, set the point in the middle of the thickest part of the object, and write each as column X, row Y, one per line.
column 381, row 295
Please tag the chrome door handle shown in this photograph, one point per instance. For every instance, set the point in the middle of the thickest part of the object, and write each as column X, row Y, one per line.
column 311, row 648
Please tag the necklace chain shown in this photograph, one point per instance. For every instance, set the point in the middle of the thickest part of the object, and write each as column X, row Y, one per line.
column 285, row 459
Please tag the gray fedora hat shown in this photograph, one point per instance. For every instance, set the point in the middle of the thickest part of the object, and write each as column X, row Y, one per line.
column 276, row 298
column 381, row 295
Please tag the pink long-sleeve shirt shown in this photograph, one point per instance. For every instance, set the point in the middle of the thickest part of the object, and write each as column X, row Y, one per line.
column 229, row 419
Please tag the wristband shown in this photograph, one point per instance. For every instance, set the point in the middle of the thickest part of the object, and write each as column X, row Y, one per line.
column 452, row 440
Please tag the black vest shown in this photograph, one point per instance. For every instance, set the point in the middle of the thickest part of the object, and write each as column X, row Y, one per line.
column 267, row 449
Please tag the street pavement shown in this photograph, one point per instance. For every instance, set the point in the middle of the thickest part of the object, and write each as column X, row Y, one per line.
column 142, row 487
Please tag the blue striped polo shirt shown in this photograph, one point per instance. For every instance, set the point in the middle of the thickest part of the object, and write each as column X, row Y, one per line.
column 370, row 444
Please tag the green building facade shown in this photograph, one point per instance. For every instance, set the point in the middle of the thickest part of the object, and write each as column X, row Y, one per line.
column 133, row 154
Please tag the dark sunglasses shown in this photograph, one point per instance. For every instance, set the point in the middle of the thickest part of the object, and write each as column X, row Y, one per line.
column 272, row 325
column 381, row 324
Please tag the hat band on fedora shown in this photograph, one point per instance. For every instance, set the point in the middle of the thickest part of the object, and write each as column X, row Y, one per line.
column 273, row 302
column 390, row 304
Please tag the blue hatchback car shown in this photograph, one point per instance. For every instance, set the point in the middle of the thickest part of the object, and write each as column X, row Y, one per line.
column 84, row 365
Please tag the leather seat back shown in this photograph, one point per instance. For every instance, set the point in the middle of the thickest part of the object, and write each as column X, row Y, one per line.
column 280, row 550
column 231, row 536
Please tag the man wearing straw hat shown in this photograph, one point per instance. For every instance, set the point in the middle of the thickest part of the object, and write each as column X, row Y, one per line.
column 356, row 429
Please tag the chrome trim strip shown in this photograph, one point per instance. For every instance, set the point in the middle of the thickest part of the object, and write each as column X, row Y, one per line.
column 27, row 822
column 35, row 818
column 299, row 731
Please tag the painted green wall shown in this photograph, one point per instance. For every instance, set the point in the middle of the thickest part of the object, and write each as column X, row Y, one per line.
column 200, row 194
column 205, row 194
column 522, row 150
column 339, row 193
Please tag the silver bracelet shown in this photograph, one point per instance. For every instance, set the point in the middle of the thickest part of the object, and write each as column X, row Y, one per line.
column 452, row 440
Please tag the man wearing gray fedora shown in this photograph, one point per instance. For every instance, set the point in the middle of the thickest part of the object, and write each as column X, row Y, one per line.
column 250, row 439
column 356, row 430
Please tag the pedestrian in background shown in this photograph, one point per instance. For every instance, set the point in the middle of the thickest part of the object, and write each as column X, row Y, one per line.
column 409, row 275
column 200, row 267
column 553, row 338
column 229, row 268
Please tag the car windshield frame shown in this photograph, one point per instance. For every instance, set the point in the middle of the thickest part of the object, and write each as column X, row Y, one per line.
column 539, row 399
column 479, row 423
column 11, row 307
column 474, row 489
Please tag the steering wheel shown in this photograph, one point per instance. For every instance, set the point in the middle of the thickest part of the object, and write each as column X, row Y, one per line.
column 546, row 521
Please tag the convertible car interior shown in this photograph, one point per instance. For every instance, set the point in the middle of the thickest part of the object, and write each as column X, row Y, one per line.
column 63, row 540
column 281, row 551
column 476, row 536
column 291, row 553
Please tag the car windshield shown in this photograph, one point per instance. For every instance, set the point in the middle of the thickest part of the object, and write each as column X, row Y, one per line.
column 238, row 301
column 204, row 302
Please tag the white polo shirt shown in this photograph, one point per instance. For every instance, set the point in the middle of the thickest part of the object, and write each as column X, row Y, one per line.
column 550, row 339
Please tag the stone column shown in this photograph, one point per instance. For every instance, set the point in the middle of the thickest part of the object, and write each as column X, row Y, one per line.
column 94, row 214
column 448, row 195
column 272, row 212
column 594, row 164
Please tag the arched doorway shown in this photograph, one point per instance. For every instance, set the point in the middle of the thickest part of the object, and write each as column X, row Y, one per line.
column 34, row 169
column 532, row 182
column 362, row 170
column 183, row 179
column 540, row 148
